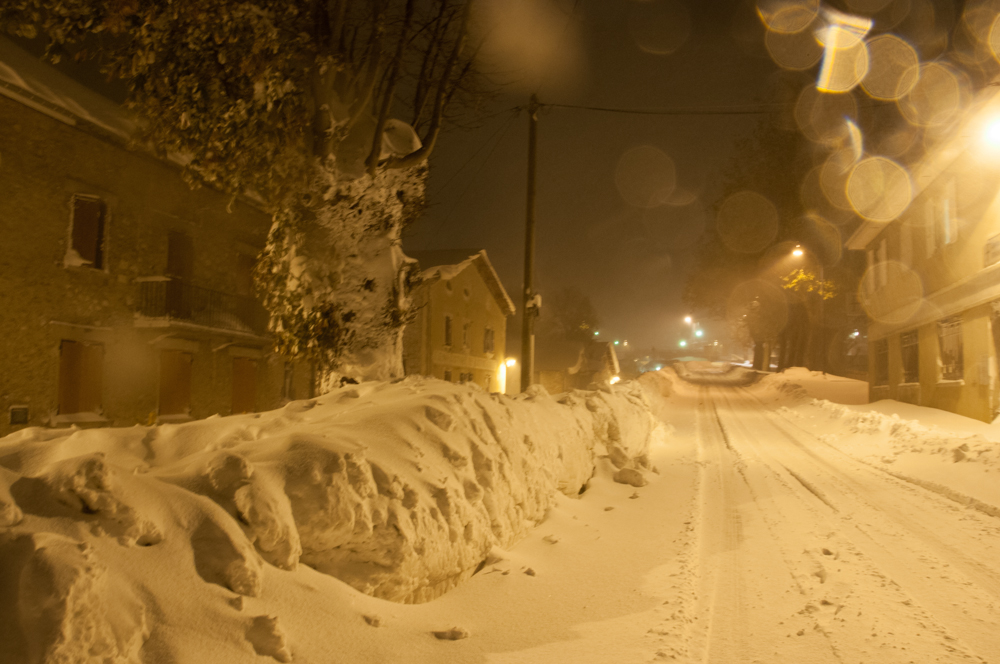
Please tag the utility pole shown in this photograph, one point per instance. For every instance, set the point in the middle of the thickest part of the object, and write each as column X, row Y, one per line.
column 530, row 303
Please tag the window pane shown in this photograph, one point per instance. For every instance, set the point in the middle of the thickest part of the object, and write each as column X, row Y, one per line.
column 950, row 345
column 882, row 362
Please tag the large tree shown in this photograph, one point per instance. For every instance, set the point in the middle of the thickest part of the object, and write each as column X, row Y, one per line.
column 296, row 103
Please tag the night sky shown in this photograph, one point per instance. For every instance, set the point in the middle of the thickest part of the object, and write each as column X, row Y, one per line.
column 631, row 261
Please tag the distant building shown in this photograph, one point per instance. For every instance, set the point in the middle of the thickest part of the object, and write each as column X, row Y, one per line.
column 460, row 327
column 125, row 297
column 932, row 287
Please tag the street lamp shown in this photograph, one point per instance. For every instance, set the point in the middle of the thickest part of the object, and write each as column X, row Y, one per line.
column 687, row 319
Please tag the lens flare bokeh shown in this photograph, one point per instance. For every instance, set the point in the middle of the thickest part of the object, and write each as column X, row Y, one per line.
column 660, row 27
column 936, row 97
column 879, row 189
column 893, row 70
column 891, row 292
column 645, row 176
column 747, row 222
column 787, row 15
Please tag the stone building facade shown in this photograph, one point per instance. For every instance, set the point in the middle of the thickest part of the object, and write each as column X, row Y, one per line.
column 125, row 296
column 459, row 330
column 932, row 287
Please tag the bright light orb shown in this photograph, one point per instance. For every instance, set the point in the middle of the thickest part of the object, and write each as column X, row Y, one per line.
column 687, row 319
column 797, row 252
column 992, row 134
column 510, row 362
column 683, row 343
column 615, row 379
column 698, row 333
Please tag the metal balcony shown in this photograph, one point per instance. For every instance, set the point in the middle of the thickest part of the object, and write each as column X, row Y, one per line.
column 175, row 299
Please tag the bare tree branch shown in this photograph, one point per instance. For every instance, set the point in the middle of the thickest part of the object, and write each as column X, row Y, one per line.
column 421, row 153
column 390, row 89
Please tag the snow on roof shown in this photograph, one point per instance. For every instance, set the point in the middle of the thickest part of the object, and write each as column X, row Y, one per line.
column 30, row 81
column 449, row 263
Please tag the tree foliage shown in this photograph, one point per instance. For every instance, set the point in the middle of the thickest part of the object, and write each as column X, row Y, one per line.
column 771, row 162
column 806, row 282
column 298, row 104
column 244, row 90
column 569, row 315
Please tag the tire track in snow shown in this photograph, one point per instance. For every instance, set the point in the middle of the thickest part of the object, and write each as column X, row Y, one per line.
column 749, row 589
column 986, row 575
column 884, row 545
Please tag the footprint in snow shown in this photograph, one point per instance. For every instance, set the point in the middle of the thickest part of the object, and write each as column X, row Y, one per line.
column 453, row 634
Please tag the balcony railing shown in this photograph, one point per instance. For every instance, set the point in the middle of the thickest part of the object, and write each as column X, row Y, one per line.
column 176, row 299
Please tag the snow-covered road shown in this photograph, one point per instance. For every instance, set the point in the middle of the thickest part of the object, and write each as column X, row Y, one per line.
column 776, row 528
column 808, row 555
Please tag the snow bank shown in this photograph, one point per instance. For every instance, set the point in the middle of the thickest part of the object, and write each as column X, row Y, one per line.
column 801, row 383
column 904, row 436
column 400, row 490
column 715, row 373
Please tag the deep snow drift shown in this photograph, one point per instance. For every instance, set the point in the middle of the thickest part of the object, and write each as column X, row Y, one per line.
column 177, row 544
column 400, row 490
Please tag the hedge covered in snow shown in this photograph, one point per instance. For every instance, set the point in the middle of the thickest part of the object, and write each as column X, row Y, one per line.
column 398, row 489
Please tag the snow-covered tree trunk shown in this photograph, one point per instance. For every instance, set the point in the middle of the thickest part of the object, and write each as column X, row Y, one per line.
column 334, row 275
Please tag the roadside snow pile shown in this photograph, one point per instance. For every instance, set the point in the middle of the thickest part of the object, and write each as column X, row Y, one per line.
column 796, row 384
column 911, row 436
column 400, row 490
column 715, row 373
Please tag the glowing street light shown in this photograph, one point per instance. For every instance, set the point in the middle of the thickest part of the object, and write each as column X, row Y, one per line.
column 687, row 319
column 683, row 343
column 698, row 332
column 510, row 362
column 797, row 251
column 992, row 133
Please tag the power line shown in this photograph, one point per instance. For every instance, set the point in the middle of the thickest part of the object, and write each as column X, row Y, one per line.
column 750, row 109
column 501, row 131
column 689, row 110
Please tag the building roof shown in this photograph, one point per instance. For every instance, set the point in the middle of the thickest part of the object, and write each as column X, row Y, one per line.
column 34, row 83
column 448, row 263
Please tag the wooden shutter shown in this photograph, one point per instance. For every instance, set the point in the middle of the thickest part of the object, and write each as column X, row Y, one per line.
column 80, row 377
column 175, row 382
column 244, row 385
column 88, row 230
column 180, row 255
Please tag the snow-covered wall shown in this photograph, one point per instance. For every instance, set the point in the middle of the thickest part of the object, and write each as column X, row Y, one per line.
column 399, row 489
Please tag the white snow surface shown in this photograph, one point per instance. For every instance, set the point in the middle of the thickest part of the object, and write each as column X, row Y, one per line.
column 398, row 489
column 783, row 522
